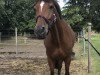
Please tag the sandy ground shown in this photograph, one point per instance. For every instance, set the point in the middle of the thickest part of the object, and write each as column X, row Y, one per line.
column 36, row 66
column 31, row 60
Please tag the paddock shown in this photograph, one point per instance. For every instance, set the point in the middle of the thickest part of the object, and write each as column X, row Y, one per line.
column 31, row 60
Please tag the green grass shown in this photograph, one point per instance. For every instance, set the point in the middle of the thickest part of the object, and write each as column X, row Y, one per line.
column 95, row 58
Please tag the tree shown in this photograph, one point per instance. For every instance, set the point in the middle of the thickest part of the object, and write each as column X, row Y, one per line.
column 71, row 12
column 95, row 12
column 16, row 13
column 80, row 12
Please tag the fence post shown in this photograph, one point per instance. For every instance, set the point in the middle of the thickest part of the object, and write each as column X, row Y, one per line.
column 25, row 38
column 0, row 37
column 84, row 44
column 78, row 37
column 89, row 46
column 16, row 37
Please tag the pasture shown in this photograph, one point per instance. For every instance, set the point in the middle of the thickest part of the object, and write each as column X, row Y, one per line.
column 31, row 59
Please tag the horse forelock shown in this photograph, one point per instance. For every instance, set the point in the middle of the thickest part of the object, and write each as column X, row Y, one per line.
column 55, row 4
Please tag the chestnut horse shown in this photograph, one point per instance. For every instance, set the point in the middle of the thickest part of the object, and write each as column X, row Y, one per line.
column 58, row 35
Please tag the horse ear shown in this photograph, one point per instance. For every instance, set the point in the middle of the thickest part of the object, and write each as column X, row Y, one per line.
column 58, row 8
column 35, row 2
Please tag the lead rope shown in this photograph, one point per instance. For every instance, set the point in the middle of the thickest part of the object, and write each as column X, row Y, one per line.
column 92, row 46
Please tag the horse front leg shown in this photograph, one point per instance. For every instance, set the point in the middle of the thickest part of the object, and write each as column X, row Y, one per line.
column 59, row 71
column 67, row 65
column 59, row 67
column 51, row 65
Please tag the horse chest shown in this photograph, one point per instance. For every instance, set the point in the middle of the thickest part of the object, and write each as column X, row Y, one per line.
column 56, row 53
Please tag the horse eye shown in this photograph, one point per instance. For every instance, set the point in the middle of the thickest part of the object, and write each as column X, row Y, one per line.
column 34, row 10
column 51, row 7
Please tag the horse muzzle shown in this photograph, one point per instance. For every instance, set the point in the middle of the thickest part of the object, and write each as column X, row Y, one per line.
column 40, row 32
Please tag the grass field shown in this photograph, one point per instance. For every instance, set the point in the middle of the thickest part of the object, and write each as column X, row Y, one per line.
column 95, row 58
column 39, row 66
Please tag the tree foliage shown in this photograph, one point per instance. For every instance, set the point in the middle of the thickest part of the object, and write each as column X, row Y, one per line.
column 79, row 12
column 20, row 14
column 16, row 13
column 95, row 12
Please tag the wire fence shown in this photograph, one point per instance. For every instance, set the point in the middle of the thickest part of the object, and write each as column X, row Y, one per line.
column 13, row 45
column 12, row 42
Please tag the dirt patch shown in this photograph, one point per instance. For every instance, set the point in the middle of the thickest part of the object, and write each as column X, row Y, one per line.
column 31, row 60
column 36, row 66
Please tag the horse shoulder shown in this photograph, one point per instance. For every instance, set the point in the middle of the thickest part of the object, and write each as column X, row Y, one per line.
column 68, row 30
column 68, row 35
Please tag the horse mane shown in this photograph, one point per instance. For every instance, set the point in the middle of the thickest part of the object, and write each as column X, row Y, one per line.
column 56, row 5
column 58, row 8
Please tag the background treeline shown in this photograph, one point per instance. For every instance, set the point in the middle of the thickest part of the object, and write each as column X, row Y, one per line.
column 17, row 13
column 81, row 12
column 21, row 14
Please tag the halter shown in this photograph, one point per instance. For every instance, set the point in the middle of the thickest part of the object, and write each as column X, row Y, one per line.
column 50, row 23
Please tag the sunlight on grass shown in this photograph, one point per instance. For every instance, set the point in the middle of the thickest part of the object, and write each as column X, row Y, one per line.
column 95, row 58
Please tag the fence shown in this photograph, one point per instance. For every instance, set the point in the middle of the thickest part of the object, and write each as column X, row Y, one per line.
column 88, row 40
column 13, row 44
column 12, row 38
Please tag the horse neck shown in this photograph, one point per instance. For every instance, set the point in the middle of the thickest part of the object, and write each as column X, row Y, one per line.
column 56, row 33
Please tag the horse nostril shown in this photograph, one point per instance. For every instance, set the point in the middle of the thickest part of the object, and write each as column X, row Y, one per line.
column 43, row 28
column 40, row 27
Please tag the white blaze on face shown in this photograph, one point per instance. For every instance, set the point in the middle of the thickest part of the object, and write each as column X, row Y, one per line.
column 41, row 5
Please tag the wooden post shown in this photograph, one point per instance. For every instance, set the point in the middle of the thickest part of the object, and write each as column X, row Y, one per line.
column 0, row 37
column 78, row 37
column 89, row 47
column 25, row 38
column 84, row 44
column 16, row 37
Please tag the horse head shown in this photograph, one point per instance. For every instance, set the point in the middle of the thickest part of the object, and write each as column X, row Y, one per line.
column 47, row 13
